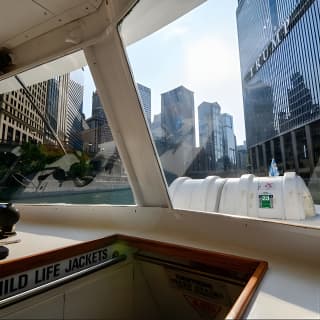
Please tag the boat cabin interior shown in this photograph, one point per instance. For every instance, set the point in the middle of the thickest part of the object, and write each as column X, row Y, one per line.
column 103, row 223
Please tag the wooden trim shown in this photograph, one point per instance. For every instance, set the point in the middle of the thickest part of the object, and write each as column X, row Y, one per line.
column 243, row 300
column 253, row 270
column 33, row 261
column 201, row 256
column 209, row 258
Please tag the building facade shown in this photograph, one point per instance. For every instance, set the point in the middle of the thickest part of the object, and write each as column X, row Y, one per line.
column 156, row 128
column 216, row 139
column 279, row 56
column 52, row 108
column 145, row 95
column 229, row 142
column 59, row 100
column 210, row 136
column 178, row 128
column 98, row 130
column 19, row 121
column 177, row 116
column 242, row 156
column 75, row 115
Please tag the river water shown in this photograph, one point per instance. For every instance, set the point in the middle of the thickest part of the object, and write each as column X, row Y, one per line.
column 118, row 197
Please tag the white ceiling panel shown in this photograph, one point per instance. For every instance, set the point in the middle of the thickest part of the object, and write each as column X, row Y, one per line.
column 149, row 16
column 60, row 6
column 45, row 72
column 20, row 20
column 17, row 16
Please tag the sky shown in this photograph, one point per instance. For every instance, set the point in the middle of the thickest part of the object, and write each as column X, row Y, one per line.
column 198, row 51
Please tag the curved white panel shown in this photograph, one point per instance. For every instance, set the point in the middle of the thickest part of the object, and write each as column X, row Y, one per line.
column 45, row 72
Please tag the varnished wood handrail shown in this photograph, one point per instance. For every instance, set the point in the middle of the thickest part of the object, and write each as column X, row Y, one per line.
column 243, row 300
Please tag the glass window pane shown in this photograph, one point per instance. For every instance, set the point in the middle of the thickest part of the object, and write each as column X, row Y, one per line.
column 56, row 143
column 233, row 91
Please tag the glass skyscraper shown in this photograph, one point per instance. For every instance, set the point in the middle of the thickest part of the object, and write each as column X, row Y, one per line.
column 279, row 47
column 145, row 95
column 216, row 138
column 177, row 115
column 210, row 136
column 178, row 128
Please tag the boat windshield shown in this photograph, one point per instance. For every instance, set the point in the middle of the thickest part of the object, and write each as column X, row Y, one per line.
column 56, row 144
column 233, row 103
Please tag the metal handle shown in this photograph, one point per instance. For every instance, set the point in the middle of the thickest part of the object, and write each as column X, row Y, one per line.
column 45, row 287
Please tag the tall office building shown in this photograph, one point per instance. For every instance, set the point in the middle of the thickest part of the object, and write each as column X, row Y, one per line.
column 97, row 108
column 52, row 107
column 75, row 115
column 216, row 138
column 229, row 142
column 19, row 121
column 279, row 56
column 145, row 95
column 178, row 125
column 177, row 116
column 210, row 136
column 63, row 107
column 242, row 156
column 156, row 128
column 59, row 100
column 63, row 111
column 98, row 131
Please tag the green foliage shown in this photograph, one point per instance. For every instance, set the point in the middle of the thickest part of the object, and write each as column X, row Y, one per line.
column 81, row 168
column 7, row 159
column 52, row 153
column 32, row 159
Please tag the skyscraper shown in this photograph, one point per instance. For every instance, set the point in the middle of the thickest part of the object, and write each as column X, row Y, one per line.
column 145, row 95
column 74, row 114
column 178, row 125
column 63, row 107
column 216, row 138
column 99, row 130
column 229, row 142
column 52, row 105
column 210, row 136
column 156, row 126
column 177, row 116
column 258, row 111
column 279, row 50
column 242, row 156
column 19, row 121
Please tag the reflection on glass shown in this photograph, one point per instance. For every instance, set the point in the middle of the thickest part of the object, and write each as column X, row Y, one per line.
column 278, row 51
column 193, row 132
column 58, row 146
column 197, row 110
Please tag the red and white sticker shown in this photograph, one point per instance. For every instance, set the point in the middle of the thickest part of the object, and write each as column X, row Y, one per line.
column 205, row 309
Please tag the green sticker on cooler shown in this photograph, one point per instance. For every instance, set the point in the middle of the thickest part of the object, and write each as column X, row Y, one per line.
column 266, row 201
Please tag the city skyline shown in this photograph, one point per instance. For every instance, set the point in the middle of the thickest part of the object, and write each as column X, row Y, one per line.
column 198, row 51
column 147, row 106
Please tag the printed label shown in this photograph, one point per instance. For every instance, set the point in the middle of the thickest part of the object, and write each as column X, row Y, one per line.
column 205, row 309
column 33, row 278
column 266, row 201
column 199, row 287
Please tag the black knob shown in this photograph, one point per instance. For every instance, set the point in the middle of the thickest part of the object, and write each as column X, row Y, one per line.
column 9, row 216
column 4, row 251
